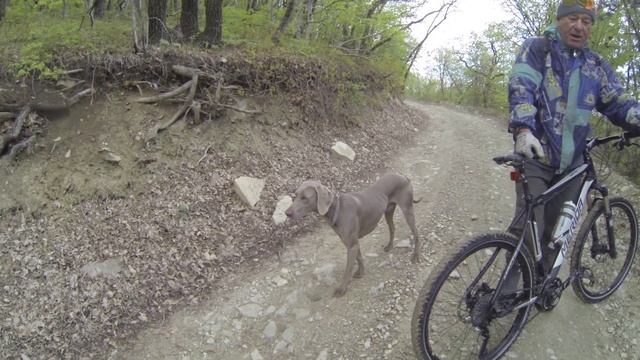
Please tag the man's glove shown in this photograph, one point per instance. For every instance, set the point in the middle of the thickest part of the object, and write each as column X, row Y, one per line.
column 528, row 145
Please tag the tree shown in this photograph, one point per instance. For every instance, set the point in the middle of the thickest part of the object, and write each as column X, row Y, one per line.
column 532, row 17
column 189, row 18
column 212, row 33
column 157, row 10
column 3, row 8
column 284, row 22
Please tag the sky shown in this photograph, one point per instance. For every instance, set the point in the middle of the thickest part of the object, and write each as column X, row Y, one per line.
column 468, row 16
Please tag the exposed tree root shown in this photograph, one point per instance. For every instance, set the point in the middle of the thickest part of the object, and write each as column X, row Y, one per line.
column 12, row 134
column 190, row 105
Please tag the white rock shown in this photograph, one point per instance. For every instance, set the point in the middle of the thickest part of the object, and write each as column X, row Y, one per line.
column 344, row 150
column 324, row 355
column 280, row 346
column 249, row 189
column 288, row 335
column 255, row 355
column 250, row 310
column 406, row 243
column 283, row 204
column 108, row 268
column 279, row 281
column 325, row 273
column 270, row 330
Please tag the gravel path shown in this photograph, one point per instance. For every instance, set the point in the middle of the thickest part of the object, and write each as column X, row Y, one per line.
column 282, row 308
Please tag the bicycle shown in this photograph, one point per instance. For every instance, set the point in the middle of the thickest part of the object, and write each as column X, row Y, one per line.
column 464, row 309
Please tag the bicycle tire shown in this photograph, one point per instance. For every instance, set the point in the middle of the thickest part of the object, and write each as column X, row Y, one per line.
column 423, row 332
column 593, row 227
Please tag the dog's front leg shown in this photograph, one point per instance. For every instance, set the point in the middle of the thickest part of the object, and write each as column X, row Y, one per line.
column 352, row 254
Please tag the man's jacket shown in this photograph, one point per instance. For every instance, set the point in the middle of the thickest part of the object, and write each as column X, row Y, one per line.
column 553, row 90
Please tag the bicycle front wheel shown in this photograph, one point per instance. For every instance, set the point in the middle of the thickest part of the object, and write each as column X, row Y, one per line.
column 603, row 255
column 454, row 317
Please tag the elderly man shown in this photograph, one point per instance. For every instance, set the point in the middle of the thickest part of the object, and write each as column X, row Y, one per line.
column 556, row 82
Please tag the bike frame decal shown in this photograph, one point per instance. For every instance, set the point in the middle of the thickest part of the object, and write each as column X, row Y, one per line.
column 568, row 236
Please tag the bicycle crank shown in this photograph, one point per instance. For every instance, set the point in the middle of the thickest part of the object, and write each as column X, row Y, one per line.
column 550, row 296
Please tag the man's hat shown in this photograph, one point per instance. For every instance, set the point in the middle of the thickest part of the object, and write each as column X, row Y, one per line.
column 567, row 7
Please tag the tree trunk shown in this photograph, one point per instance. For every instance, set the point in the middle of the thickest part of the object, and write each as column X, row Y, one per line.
column 98, row 10
column 286, row 19
column 213, row 24
column 3, row 8
column 157, row 11
column 189, row 18
column 252, row 5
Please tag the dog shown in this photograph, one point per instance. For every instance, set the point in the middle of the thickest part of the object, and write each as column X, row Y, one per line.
column 355, row 214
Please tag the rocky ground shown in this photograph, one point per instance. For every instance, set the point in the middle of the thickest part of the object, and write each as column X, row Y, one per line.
column 92, row 251
column 281, row 307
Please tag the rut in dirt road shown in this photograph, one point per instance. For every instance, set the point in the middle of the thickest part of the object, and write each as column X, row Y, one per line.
column 283, row 308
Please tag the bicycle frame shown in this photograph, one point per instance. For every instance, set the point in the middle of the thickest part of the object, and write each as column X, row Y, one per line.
column 589, row 183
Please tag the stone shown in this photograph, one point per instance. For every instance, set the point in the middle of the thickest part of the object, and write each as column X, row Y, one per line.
column 343, row 150
column 270, row 330
column 283, row 204
column 250, row 310
column 249, row 189
column 109, row 268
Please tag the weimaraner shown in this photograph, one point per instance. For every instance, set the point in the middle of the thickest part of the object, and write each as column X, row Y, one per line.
column 355, row 214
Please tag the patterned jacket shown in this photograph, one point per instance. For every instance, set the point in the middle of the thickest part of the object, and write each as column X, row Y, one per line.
column 553, row 90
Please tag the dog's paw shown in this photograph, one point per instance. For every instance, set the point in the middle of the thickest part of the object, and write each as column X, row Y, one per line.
column 339, row 291
column 359, row 274
column 388, row 248
column 415, row 259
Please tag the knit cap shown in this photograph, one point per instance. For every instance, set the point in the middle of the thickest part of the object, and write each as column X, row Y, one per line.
column 567, row 7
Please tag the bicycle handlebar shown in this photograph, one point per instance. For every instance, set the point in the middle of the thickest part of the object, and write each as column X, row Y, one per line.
column 623, row 139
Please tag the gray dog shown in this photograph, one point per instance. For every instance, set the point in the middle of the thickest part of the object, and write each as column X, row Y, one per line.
column 355, row 214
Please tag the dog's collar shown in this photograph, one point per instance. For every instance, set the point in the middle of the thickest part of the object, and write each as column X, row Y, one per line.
column 336, row 202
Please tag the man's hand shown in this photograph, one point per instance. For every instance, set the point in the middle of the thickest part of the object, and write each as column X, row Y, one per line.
column 528, row 145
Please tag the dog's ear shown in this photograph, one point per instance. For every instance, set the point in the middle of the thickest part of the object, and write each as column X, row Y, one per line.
column 324, row 198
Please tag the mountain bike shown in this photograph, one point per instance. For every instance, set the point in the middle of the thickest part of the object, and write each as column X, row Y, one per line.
column 465, row 310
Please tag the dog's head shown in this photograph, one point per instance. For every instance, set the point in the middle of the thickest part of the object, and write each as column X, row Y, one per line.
column 310, row 196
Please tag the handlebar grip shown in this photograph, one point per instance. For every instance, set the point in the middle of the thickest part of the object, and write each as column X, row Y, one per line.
column 510, row 158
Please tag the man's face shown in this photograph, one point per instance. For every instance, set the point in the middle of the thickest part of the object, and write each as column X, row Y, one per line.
column 575, row 29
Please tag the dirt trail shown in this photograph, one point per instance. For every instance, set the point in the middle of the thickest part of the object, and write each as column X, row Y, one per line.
column 282, row 308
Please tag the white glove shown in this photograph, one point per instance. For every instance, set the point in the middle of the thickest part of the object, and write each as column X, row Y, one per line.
column 528, row 145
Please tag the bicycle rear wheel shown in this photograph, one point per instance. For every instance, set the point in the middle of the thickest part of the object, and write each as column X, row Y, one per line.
column 453, row 316
column 601, row 259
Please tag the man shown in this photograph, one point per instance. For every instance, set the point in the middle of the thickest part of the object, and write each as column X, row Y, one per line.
column 555, row 84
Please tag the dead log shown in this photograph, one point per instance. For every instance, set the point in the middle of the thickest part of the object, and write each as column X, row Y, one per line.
column 19, row 147
column 13, row 133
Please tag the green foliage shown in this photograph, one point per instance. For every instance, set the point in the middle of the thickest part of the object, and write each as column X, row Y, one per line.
column 35, row 41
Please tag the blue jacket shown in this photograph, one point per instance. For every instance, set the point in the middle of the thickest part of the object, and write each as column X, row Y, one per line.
column 553, row 90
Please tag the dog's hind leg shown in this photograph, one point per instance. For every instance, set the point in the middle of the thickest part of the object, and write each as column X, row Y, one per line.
column 388, row 217
column 360, row 272
column 407, row 211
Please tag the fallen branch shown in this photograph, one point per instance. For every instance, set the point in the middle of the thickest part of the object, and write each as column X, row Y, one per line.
column 13, row 134
column 73, row 85
column 206, row 151
column 15, row 149
column 172, row 93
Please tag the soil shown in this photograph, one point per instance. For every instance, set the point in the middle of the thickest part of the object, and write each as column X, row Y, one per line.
column 157, row 258
column 283, row 307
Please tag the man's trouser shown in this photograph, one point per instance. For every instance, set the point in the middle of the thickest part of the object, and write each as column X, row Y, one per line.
column 540, row 177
